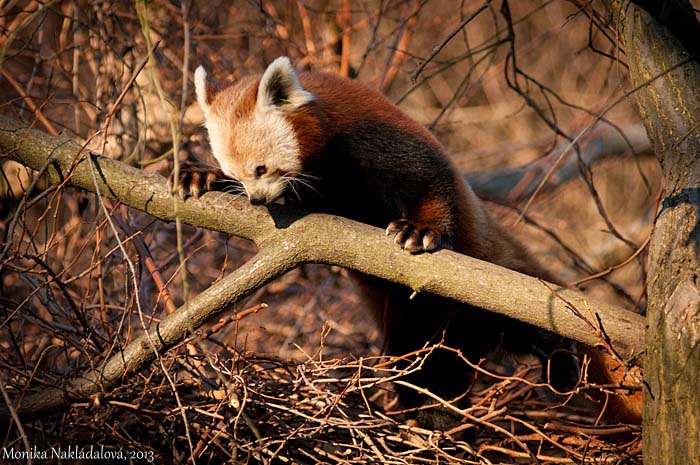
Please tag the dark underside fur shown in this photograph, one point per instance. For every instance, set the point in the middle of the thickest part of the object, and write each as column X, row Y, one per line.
column 376, row 174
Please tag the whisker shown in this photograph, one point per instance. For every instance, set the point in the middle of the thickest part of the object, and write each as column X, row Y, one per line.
column 305, row 183
column 235, row 196
column 290, row 183
column 228, row 182
column 232, row 187
column 296, row 182
column 303, row 175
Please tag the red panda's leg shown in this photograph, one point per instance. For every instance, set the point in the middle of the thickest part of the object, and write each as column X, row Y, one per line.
column 194, row 179
column 429, row 226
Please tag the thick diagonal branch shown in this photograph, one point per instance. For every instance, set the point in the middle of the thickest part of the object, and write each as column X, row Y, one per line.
column 288, row 238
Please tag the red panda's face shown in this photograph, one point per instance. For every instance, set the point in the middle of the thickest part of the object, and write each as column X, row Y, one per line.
column 250, row 136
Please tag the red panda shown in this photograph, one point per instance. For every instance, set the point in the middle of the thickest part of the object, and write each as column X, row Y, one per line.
column 337, row 146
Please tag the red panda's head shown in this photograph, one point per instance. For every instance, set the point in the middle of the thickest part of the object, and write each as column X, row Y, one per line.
column 249, row 130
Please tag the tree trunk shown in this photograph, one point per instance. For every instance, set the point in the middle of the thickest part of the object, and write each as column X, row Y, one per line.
column 670, row 108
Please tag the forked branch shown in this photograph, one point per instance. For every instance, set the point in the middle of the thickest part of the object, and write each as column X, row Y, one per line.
column 288, row 238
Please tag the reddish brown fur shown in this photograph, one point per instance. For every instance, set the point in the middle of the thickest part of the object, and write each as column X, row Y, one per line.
column 344, row 103
column 241, row 101
column 339, row 106
column 310, row 128
column 620, row 406
column 341, row 103
column 431, row 211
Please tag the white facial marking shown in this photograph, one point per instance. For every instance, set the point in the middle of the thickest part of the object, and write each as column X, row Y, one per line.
column 243, row 141
column 219, row 146
column 263, row 138
column 267, row 139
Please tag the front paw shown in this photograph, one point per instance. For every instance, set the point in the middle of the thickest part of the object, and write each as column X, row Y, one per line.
column 414, row 238
column 193, row 180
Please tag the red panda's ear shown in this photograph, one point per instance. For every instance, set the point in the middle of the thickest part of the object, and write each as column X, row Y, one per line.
column 280, row 87
column 201, row 87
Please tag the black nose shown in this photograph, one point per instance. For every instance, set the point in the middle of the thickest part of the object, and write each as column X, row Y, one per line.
column 257, row 201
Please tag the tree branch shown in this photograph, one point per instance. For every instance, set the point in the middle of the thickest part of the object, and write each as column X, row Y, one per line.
column 662, row 49
column 288, row 238
column 519, row 183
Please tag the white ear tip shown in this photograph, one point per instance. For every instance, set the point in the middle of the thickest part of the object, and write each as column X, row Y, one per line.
column 283, row 60
column 282, row 63
column 200, row 86
column 200, row 74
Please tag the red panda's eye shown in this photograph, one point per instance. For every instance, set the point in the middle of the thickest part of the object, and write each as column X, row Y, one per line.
column 260, row 170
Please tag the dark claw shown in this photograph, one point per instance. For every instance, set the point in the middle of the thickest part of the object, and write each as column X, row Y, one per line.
column 413, row 238
column 211, row 178
column 194, row 180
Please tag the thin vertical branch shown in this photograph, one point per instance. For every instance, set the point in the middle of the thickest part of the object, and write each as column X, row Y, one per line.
column 345, row 37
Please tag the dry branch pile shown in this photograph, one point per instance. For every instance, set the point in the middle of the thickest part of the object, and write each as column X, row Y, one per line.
column 248, row 408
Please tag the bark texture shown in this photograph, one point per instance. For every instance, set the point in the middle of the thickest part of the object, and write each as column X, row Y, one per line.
column 670, row 108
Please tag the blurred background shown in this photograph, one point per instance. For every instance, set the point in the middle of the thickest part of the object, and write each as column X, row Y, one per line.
column 530, row 98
